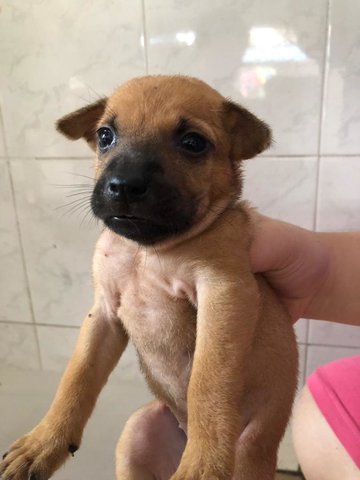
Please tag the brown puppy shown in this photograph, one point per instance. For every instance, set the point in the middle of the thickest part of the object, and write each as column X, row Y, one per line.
column 172, row 274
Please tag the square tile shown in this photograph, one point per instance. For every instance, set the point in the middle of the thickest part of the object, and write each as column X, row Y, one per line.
column 287, row 459
column 339, row 194
column 58, row 243
column 57, row 344
column 2, row 137
column 268, row 56
column 301, row 330
column 58, row 56
column 25, row 397
column 302, row 366
column 320, row 355
column 14, row 298
column 342, row 106
column 18, row 346
column 283, row 188
column 330, row 333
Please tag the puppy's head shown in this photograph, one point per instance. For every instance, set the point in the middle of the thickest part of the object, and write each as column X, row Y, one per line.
column 168, row 152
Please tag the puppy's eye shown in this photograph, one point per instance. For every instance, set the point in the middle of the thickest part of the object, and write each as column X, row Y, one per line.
column 194, row 143
column 106, row 137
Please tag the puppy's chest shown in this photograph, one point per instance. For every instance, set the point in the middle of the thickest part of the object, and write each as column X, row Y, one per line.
column 154, row 294
column 157, row 308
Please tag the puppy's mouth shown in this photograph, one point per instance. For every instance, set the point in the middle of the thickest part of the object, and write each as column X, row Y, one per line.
column 125, row 218
column 119, row 222
column 145, row 231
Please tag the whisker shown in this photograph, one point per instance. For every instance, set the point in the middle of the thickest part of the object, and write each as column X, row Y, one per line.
column 72, row 185
column 78, row 201
column 88, row 215
column 72, row 211
column 75, row 194
column 81, row 175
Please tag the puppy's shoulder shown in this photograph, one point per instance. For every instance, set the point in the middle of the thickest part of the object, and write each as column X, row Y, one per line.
column 234, row 227
column 226, row 243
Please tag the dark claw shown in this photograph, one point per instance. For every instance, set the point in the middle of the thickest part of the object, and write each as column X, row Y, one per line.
column 33, row 476
column 5, row 455
column 73, row 448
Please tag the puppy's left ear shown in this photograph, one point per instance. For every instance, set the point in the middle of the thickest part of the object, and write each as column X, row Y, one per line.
column 83, row 122
column 250, row 135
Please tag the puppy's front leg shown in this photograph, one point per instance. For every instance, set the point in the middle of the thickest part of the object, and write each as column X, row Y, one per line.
column 39, row 453
column 228, row 308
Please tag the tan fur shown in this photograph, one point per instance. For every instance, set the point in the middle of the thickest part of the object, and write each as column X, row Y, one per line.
column 214, row 342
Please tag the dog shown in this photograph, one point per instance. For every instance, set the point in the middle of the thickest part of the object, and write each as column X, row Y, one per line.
column 171, row 273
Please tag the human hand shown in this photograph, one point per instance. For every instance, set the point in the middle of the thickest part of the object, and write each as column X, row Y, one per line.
column 293, row 260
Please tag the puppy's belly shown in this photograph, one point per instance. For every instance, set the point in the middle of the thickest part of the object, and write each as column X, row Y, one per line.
column 163, row 333
column 169, row 384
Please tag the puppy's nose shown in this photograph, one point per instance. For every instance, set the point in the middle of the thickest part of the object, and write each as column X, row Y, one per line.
column 130, row 189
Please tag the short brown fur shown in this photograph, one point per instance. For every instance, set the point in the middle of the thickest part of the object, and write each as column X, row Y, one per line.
column 215, row 344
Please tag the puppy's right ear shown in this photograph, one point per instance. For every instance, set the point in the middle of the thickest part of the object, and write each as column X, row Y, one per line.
column 83, row 122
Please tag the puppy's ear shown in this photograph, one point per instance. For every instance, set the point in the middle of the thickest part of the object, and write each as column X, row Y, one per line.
column 250, row 135
column 82, row 123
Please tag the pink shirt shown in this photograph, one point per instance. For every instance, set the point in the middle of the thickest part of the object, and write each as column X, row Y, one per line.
column 336, row 390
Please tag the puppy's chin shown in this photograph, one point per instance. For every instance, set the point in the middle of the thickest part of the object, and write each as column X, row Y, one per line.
column 145, row 231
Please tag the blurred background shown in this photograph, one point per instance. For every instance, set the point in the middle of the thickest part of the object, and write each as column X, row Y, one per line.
column 295, row 64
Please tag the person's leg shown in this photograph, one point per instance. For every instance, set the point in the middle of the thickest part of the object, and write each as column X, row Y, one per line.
column 150, row 446
column 320, row 454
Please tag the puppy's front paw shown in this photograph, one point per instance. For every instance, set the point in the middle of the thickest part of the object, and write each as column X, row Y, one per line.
column 200, row 472
column 37, row 455
column 204, row 475
column 197, row 464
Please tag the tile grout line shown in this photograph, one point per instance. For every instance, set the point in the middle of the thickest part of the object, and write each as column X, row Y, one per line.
column 21, row 243
column 145, row 37
column 73, row 327
column 54, row 158
column 266, row 156
column 324, row 77
column 324, row 82
column 77, row 327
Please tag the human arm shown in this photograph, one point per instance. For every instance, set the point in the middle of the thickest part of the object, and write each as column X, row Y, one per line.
column 316, row 275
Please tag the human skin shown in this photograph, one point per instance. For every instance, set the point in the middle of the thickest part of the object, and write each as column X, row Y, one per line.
column 316, row 275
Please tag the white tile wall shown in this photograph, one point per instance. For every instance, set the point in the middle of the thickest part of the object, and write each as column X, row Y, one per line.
column 2, row 138
column 302, row 365
column 14, row 299
column 18, row 346
column 268, row 57
column 58, row 236
column 283, row 187
column 56, row 56
column 339, row 194
column 58, row 343
column 29, row 394
column 293, row 63
column 320, row 354
column 342, row 106
column 56, row 346
column 301, row 329
column 329, row 333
